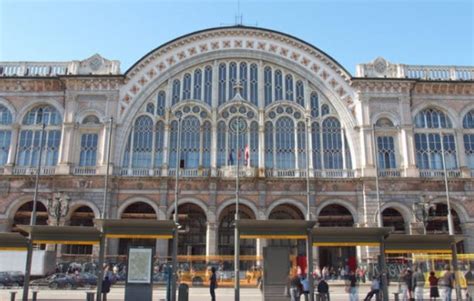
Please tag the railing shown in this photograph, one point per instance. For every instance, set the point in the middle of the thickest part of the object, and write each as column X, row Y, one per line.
column 301, row 173
column 85, row 170
column 189, row 173
column 439, row 72
column 20, row 170
column 231, row 171
column 389, row 173
column 33, row 68
column 439, row 173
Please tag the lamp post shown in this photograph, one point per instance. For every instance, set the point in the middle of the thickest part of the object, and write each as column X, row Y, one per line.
column 450, row 218
column 309, row 241
column 174, row 259
column 379, row 211
column 29, row 253
column 238, row 127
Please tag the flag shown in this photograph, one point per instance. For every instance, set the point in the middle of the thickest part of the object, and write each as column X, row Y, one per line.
column 247, row 155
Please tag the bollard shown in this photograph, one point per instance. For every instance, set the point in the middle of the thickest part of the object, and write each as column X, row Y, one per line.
column 317, row 297
column 395, row 296
column 12, row 296
column 90, row 296
column 183, row 292
column 35, row 295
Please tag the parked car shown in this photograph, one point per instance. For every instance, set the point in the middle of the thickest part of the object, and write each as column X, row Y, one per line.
column 6, row 280
column 62, row 281
column 85, row 280
column 17, row 277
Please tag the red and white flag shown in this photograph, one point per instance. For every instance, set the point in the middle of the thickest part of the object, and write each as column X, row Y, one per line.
column 247, row 155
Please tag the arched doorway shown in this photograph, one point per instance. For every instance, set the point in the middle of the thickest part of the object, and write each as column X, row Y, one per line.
column 393, row 218
column 23, row 216
column 437, row 222
column 288, row 211
column 226, row 235
column 138, row 210
column 82, row 216
column 336, row 257
column 192, row 233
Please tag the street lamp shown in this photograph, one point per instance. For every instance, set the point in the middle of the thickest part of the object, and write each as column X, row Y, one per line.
column 238, row 127
column 175, row 217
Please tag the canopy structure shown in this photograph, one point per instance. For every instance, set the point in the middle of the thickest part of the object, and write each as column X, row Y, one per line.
column 274, row 229
column 67, row 235
column 136, row 228
column 429, row 243
column 13, row 241
column 349, row 236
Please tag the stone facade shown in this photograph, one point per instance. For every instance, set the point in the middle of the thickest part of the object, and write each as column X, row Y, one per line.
column 380, row 92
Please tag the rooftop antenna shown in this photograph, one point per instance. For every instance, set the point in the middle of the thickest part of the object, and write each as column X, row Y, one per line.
column 238, row 16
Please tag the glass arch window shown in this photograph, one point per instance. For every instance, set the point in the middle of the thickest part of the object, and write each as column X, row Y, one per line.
column 314, row 104
column 254, row 84
column 289, row 87
column 301, row 145
column 31, row 139
column 187, row 86
column 5, row 133
column 150, row 108
column 243, row 79
column 142, row 142
column 386, row 152
column 300, row 93
column 332, row 143
column 232, row 79
column 176, row 91
column 161, row 104
column 468, row 125
column 197, row 84
column 190, row 141
column 253, row 156
column 268, row 85
column 269, row 145
column 278, row 85
column 206, row 144
column 221, row 144
column 173, row 144
column 431, row 127
column 285, row 143
column 316, row 143
column 208, row 85
column 222, row 83
column 88, row 155
column 159, row 143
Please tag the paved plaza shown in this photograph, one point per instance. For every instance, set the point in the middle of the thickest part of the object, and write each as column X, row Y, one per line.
column 196, row 294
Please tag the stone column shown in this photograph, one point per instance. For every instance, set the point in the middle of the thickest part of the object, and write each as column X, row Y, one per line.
column 66, row 148
column 161, row 248
column 211, row 239
column 261, row 143
column 214, row 143
column 13, row 147
column 468, row 230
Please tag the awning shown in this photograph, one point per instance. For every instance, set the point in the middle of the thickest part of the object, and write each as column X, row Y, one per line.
column 349, row 236
column 430, row 243
column 136, row 228
column 13, row 242
column 67, row 235
column 274, row 229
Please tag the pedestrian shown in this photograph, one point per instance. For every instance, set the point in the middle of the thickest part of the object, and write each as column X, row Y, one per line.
column 352, row 287
column 434, row 293
column 374, row 288
column 470, row 283
column 323, row 290
column 407, row 283
column 105, row 287
column 447, row 284
column 213, row 284
column 305, row 286
column 295, row 288
column 418, row 283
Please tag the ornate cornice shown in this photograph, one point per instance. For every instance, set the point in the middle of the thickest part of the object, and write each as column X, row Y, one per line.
column 19, row 85
column 93, row 83
column 382, row 86
column 257, row 40
column 445, row 88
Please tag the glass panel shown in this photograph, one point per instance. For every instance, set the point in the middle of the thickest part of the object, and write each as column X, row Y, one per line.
column 159, row 143
column 285, row 143
column 232, row 79
column 222, row 83
column 332, row 144
column 468, row 121
column 316, row 141
column 197, row 84
column 5, row 137
column 289, row 87
column 268, row 145
column 88, row 154
column 278, row 85
column 176, row 91
column 314, row 104
column 254, row 84
column 190, row 141
column 5, row 115
column 386, row 153
column 221, row 144
column 161, row 104
column 206, row 147
column 208, row 85
column 268, row 85
column 187, row 86
column 142, row 142
column 254, row 144
column 300, row 93
column 243, row 79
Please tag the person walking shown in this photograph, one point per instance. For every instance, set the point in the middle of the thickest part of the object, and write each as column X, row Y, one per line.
column 353, row 292
column 105, row 287
column 305, row 287
column 434, row 293
column 374, row 288
column 447, row 284
column 213, row 284
column 470, row 283
column 323, row 290
column 295, row 288
column 418, row 283
column 407, row 285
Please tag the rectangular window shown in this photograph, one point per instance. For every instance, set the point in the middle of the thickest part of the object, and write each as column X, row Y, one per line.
column 386, row 153
column 88, row 155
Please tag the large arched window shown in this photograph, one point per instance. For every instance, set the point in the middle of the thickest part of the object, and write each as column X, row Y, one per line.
column 332, row 144
column 221, row 144
column 31, row 139
column 161, row 104
column 468, row 125
column 392, row 218
column 243, row 79
column 232, row 79
column 159, row 143
column 222, row 83
column 84, row 217
column 431, row 127
column 301, row 150
column 197, row 84
column 254, row 84
column 192, row 237
column 278, row 85
column 176, row 91
column 208, row 85
column 300, row 93
column 206, row 144
column 268, row 85
column 190, row 141
column 285, row 143
column 142, row 142
column 269, row 145
column 5, row 133
column 289, row 87
column 187, row 86
column 137, row 210
column 226, row 232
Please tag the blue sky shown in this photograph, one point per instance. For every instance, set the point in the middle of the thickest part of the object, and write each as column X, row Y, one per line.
column 427, row 32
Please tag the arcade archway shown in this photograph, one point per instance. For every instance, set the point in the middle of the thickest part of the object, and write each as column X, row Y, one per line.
column 288, row 211
column 393, row 218
column 192, row 232
column 82, row 216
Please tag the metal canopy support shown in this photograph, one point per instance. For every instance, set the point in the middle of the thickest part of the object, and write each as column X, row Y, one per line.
column 101, row 269
column 383, row 269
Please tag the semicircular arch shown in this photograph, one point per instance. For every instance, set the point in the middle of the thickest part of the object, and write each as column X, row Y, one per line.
column 231, row 201
column 183, row 201
column 285, row 201
column 159, row 214
column 347, row 205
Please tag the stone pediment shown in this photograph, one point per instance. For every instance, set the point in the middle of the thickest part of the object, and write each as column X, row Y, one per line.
column 97, row 65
